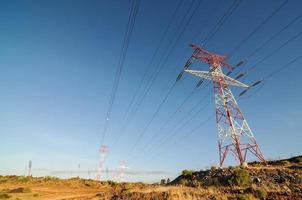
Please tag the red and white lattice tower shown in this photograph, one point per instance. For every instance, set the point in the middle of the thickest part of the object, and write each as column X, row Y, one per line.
column 103, row 152
column 234, row 133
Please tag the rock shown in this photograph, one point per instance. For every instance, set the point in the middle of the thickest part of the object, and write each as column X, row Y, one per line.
column 257, row 180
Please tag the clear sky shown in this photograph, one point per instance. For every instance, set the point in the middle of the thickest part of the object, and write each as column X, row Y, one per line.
column 57, row 65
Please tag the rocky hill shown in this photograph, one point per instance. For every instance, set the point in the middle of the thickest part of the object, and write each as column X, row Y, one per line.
column 279, row 179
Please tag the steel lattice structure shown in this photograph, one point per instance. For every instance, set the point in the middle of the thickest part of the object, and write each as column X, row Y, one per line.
column 103, row 152
column 234, row 133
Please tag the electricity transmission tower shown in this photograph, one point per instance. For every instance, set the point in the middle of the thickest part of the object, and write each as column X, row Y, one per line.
column 29, row 168
column 234, row 133
column 123, row 167
column 103, row 152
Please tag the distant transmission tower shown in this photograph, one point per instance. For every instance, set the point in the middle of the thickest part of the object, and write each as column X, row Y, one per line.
column 234, row 133
column 123, row 167
column 103, row 152
column 29, row 168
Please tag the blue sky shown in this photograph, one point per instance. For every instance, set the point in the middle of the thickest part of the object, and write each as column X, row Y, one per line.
column 57, row 65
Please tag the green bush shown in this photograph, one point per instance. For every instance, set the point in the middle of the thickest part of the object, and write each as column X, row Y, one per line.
column 187, row 172
column 260, row 193
column 240, row 177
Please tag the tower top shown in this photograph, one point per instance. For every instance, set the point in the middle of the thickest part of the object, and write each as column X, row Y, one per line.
column 212, row 59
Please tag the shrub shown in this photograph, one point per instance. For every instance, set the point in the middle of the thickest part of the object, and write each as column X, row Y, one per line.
column 4, row 196
column 3, row 179
column 214, row 181
column 240, row 177
column 184, row 182
column 35, row 195
column 50, row 178
column 20, row 190
column 195, row 183
column 112, row 183
column 260, row 193
column 23, row 179
column 244, row 197
column 187, row 172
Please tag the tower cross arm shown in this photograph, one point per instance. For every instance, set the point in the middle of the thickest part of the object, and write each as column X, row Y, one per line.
column 217, row 76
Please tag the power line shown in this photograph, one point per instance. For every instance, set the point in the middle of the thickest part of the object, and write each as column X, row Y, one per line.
column 193, row 130
column 168, row 51
column 274, row 36
column 273, row 52
column 282, row 68
column 140, row 84
column 153, row 56
column 172, row 87
column 153, row 117
column 221, row 21
column 120, row 65
column 176, row 111
column 169, row 119
column 242, row 42
column 185, row 123
column 172, row 116
column 270, row 75
column 172, row 131
column 257, row 49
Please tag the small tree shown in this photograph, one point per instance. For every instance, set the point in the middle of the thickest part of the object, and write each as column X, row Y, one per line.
column 168, row 181
column 163, row 181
